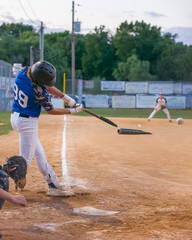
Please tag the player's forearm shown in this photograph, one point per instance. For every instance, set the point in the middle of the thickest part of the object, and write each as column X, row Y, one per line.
column 16, row 199
column 59, row 111
column 5, row 195
column 54, row 91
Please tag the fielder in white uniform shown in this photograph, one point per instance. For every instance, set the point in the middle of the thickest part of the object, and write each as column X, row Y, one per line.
column 31, row 91
column 161, row 103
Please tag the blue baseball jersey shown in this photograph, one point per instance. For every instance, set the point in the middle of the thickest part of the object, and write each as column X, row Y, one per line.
column 28, row 97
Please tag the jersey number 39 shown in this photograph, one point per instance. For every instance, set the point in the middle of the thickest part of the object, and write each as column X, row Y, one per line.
column 20, row 96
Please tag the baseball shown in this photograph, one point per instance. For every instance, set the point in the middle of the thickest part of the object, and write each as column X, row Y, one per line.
column 139, row 125
column 180, row 121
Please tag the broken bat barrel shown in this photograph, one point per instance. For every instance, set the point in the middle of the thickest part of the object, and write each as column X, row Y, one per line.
column 131, row 131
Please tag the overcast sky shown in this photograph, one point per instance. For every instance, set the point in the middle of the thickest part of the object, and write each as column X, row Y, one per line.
column 174, row 16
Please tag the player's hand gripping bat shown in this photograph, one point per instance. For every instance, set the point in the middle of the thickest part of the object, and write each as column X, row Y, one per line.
column 100, row 117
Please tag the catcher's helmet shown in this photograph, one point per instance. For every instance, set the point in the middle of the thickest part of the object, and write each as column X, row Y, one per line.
column 43, row 73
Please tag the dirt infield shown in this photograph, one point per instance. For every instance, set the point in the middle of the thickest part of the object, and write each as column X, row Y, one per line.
column 143, row 182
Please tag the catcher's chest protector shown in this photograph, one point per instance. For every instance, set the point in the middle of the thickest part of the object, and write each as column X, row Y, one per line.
column 4, row 184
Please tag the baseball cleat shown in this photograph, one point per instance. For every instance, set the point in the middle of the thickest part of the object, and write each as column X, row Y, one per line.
column 170, row 120
column 60, row 192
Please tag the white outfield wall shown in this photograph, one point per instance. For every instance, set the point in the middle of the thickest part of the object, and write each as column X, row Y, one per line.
column 177, row 88
column 167, row 88
column 187, row 88
column 145, row 101
column 97, row 101
column 188, row 101
column 113, row 86
column 124, row 101
column 136, row 87
column 176, row 102
column 138, row 95
column 160, row 87
column 130, row 101
column 57, row 103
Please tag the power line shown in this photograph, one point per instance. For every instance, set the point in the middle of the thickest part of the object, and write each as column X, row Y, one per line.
column 93, row 8
column 33, row 10
column 26, row 12
column 79, row 5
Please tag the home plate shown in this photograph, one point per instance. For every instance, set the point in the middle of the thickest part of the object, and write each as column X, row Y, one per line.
column 93, row 211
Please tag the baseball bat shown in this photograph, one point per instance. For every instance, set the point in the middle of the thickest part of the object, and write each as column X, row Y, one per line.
column 100, row 117
column 131, row 131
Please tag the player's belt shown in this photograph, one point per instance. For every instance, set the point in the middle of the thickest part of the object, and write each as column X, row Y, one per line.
column 20, row 114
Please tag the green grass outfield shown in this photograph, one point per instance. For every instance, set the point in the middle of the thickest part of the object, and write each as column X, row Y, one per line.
column 5, row 126
column 138, row 113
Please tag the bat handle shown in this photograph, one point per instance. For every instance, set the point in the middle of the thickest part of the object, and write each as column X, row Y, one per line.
column 91, row 113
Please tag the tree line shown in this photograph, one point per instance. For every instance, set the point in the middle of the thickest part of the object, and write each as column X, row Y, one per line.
column 136, row 52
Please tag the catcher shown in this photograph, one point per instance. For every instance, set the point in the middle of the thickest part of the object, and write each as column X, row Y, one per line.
column 161, row 104
column 16, row 168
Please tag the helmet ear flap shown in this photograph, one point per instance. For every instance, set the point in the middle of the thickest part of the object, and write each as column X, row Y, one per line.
column 29, row 76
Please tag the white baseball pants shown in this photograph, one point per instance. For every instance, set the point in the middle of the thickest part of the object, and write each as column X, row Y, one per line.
column 157, row 110
column 30, row 146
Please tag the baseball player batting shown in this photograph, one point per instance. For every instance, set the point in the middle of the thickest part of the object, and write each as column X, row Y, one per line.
column 161, row 104
column 31, row 92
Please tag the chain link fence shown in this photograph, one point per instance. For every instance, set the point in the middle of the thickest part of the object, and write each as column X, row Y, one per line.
column 6, row 86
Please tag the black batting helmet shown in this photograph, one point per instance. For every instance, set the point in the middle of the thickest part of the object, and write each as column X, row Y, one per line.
column 43, row 73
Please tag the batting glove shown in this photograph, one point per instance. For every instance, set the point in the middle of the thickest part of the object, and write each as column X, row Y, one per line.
column 77, row 109
column 70, row 101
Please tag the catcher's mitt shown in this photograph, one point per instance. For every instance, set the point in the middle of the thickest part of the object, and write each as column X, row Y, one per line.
column 163, row 107
column 16, row 168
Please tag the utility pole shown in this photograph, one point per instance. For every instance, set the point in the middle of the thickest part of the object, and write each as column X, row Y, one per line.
column 32, row 55
column 41, row 41
column 73, row 51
